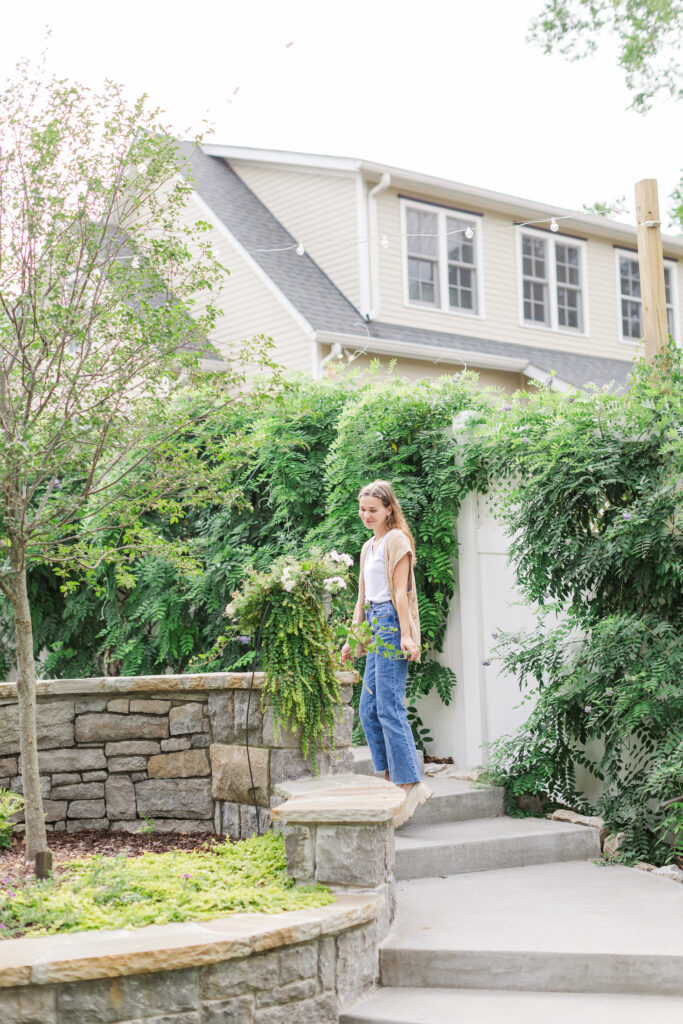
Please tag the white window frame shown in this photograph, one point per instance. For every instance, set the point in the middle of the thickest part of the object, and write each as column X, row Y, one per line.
column 552, row 239
column 442, row 212
column 672, row 267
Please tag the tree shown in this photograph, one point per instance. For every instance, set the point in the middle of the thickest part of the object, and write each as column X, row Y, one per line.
column 100, row 269
column 648, row 34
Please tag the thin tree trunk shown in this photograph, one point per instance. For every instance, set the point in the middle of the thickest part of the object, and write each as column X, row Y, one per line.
column 34, row 815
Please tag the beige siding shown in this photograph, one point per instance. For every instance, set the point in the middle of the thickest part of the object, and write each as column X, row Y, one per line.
column 251, row 308
column 320, row 211
column 501, row 319
column 427, row 369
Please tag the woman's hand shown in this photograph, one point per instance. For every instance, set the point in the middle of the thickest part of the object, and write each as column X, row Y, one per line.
column 346, row 652
column 409, row 647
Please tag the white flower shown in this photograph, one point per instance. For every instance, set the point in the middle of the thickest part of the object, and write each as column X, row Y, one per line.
column 333, row 583
column 334, row 555
column 346, row 559
column 230, row 609
column 289, row 585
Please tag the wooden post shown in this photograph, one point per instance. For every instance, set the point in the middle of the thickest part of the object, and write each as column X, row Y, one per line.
column 651, row 264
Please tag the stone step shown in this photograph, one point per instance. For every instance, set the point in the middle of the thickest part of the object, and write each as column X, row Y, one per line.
column 570, row 927
column 454, row 847
column 477, row 1006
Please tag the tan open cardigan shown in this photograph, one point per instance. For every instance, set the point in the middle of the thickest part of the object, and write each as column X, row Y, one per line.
column 397, row 545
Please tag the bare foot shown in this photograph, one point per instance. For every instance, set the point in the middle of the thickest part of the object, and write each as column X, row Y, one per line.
column 386, row 776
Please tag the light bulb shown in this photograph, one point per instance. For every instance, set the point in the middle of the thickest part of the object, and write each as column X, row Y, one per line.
column 469, row 233
column 300, row 249
column 384, row 242
column 554, row 226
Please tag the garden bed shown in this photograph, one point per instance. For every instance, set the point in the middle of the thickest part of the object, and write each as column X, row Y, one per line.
column 135, row 887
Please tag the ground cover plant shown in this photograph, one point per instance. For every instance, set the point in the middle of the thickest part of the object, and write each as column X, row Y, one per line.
column 594, row 503
column 104, row 892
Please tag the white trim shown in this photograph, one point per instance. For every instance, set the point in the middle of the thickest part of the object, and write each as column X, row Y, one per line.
column 552, row 241
column 672, row 267
column 252, row 264
column 283, row 157
column 476, row 220
column 426, row 353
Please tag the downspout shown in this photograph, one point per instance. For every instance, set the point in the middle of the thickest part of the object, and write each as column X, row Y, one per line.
column 381, row 186
column 334, row 353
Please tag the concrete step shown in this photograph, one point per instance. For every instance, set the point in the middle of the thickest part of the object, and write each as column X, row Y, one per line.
column 453, row 847
column 570, row 927
column 455, row 800
column 476, row 1006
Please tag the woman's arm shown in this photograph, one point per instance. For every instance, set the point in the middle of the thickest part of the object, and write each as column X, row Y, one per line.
column 401, row 574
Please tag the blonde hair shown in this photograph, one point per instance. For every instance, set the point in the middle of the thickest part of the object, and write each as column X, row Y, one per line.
column 383, row 490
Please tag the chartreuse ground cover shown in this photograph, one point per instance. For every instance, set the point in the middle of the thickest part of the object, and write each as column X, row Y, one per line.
column 130, row 892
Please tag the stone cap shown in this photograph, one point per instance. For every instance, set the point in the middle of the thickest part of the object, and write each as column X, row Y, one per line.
column 338, row 799
column 82, row 956
column 151, row 684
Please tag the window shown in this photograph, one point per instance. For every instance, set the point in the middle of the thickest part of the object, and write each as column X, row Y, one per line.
column 630, row 300
column 442, row 262
column 552, row 282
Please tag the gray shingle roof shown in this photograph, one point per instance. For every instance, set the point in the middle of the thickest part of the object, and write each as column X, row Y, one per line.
column 326, row 308
column 299, row 278
column 571, row 367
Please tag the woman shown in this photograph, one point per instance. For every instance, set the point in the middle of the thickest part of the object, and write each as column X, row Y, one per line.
column 387, row 599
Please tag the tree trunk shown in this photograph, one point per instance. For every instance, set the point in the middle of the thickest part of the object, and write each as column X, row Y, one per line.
column 34, row 815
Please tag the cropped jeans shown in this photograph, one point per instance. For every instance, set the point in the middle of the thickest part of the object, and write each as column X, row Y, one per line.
column 382, row 714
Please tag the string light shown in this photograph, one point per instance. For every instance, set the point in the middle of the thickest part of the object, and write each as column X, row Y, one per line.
column 467, row 231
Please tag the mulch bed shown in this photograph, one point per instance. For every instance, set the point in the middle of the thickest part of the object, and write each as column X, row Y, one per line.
column 438, row 760
column 88, row 842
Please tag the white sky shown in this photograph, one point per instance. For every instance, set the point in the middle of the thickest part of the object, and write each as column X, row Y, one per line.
column 445, row 87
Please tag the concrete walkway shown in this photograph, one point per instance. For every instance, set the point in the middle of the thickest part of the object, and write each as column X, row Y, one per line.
column 517, row 921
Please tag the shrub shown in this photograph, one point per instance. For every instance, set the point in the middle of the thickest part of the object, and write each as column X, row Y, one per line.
column 10, row 804
column 595, row 506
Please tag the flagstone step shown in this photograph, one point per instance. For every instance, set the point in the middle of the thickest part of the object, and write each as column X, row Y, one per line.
column 565, row 927
column 485, row 844
column 477, row 1006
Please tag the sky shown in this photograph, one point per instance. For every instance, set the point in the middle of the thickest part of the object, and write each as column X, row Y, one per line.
column 449, row 88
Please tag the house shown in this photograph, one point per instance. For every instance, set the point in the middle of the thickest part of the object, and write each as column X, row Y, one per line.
column 343, row 258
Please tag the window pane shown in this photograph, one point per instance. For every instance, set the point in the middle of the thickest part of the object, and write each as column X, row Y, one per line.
column 630, row 318
column 422, row 281
column 569, row 308
column 667, row 285
column 421, row 231
column 460, row 248
column 534, row 280
column 630, row 277
column 461, row 288
column 567, row 262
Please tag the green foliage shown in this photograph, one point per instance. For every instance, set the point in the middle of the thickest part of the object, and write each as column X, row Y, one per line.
column 287, row 461
column 285, row 607
column 10, row 803
column 131, row 892
column 595, row 505
column 648, row 33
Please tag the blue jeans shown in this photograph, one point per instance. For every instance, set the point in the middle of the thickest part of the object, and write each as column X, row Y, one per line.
column 382, row 714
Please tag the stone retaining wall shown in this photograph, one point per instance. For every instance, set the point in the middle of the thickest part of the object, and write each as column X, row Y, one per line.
column 172, row 749
column 301, row 967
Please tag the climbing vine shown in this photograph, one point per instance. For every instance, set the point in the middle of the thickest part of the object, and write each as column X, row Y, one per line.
column 282, row 614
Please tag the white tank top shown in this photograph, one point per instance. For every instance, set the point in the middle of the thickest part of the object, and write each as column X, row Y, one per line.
column 375, row 573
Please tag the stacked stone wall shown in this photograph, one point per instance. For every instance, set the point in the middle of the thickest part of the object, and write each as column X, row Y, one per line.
column 171, row 749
